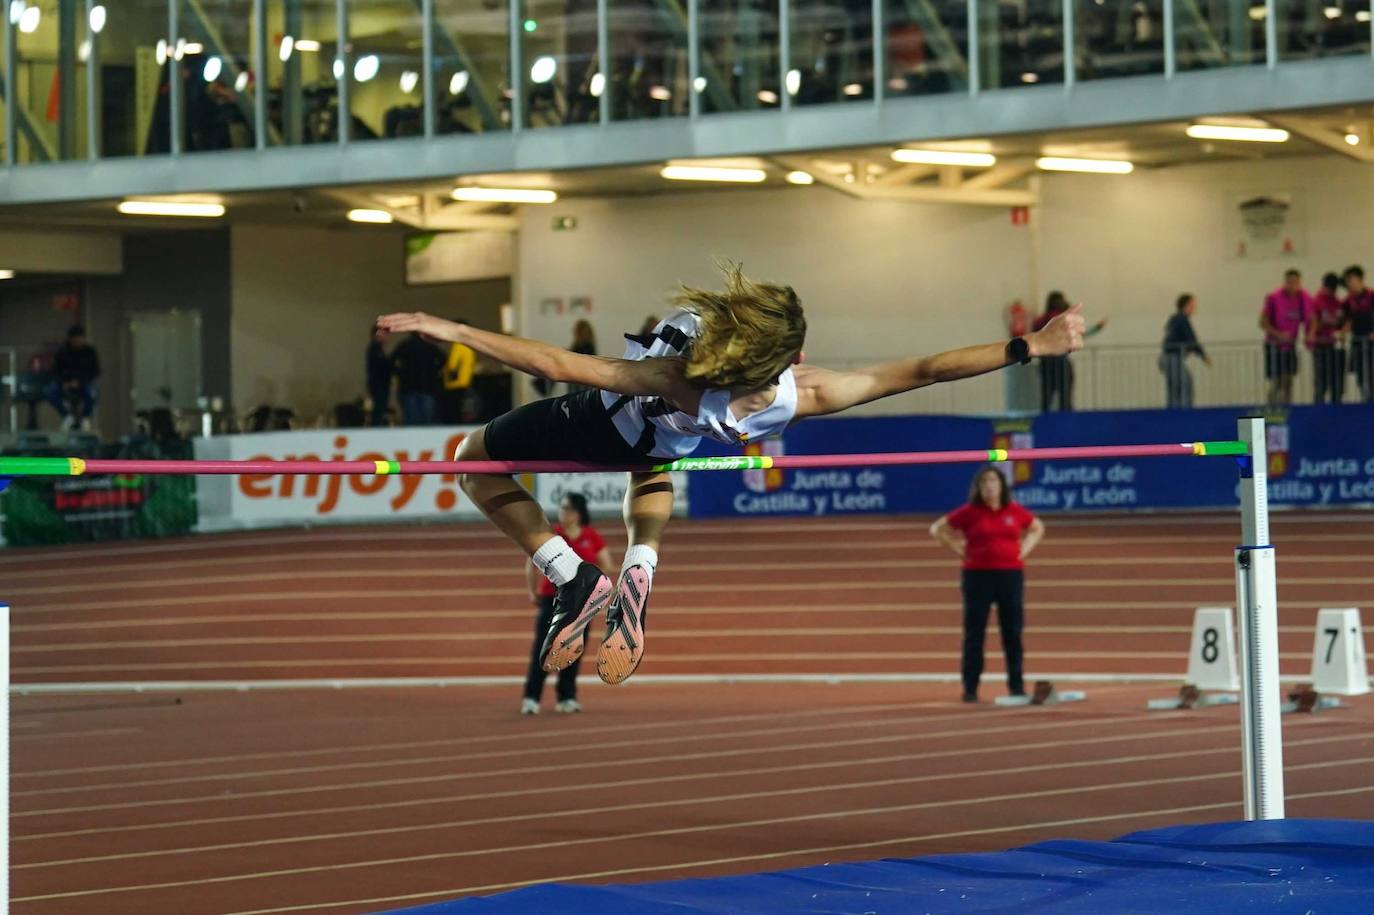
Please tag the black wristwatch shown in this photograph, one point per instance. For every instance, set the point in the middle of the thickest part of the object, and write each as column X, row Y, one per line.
column 1018, row 350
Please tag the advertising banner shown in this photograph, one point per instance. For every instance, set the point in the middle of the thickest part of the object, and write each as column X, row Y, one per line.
column 1318, row 456
column 262, row 500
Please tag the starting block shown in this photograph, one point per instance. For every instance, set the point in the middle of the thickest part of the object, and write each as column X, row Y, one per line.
column 1303, row 699
column 1189, row 697
column 1043, row 694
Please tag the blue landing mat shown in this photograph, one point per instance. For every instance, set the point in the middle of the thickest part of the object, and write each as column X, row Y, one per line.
column 1322, row 867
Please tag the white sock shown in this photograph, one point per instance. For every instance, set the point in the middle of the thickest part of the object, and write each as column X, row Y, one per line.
column 640, row 555
column 557, row 561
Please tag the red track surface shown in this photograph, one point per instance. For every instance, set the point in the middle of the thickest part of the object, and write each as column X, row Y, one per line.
column 362, row 800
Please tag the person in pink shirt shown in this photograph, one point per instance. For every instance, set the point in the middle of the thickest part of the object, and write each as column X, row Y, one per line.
column 1325, row 324
column 1282, row 318
column 1359, row 311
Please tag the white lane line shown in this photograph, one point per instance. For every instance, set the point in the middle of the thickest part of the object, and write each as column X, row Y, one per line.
column 432, row 801
column 53, row 735
column 847, row 815
column 507, row 771
column 693, row 738
column 698, row 801
column 794, row 853
column 541, row 737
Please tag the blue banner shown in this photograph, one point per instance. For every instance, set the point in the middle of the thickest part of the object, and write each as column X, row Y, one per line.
column 1317, row 456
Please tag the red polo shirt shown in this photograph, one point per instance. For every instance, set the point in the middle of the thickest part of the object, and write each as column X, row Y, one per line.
column 992, row 535
column 588, row 546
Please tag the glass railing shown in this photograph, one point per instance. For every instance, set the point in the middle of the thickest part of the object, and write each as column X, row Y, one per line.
column 86, row 79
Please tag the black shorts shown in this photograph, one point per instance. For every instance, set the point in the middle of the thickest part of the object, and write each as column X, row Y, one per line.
column 1279, row 361
column 574, row 427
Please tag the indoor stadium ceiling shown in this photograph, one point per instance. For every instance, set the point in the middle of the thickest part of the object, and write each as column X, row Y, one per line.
column 864, row 172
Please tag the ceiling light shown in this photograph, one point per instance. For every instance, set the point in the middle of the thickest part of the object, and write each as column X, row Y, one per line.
column 708, row 173
column 944, row 157
column 307, row 44
column 97, row 19
column 543, row 69
column 288, row 44
column 193, row 47
column 29, row 19
column 213, row 67
column 1362, row 16
column 768, row 96
column 179, row 51
column 503, row 195
column 366, row 67
column 854, row 89
column 793, row 82
column 1030, row 78
column 161, row 51
column 338, row 68
column 169, row 208
column 1258, row 12
column 699, row 84
column 1232, row 132
column 409, row 80
column 1093, row 166
column 458, row 83
column 6, row 274
column 83, row 51
column 660, row 93
column 1332, row 12
column 597, row 85
column 849, row 178
column 800, row 178
column 1352, row 139
column 241, row 81
column 17, row 8
column 374, row 217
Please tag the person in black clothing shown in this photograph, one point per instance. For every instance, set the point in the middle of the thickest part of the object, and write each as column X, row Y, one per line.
column 417, row 364
column 1056, row 372
column 1179, row 343
column 584, row 342
column 76, row 366
column 1359, row 308
column 378, row 378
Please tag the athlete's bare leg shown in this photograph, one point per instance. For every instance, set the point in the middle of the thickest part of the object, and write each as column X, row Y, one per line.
column 504, row 501
column 648, row 506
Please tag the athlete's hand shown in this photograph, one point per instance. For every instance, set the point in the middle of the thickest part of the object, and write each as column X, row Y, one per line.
column 403, row 322
column 1063, row 335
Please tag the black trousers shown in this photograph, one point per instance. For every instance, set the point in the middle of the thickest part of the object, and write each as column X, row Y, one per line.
column 1328, row 373
column 534, row 680
column 982, row 588
column 1056, row 383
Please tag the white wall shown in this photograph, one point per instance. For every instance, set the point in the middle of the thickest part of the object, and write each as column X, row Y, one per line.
column 303, row 300
column 882, row 279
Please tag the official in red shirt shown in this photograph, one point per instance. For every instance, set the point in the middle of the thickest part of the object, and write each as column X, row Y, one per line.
column 993, row 535
column 575, row 526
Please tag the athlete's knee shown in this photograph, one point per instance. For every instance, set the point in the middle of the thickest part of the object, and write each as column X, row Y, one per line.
column 472, row 448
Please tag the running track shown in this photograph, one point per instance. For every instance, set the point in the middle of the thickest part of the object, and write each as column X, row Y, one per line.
column 362, row 800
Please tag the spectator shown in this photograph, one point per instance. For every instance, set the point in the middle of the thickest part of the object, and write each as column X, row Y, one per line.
column 1284, row 314
column 1324, row 326
column 378, row 378
column 1179, row 342
column 75, row 368
column 1056, row 372
column 1359, row 309
column 584, row 342
column 417, row 363
column 575, row 526
column 457, row 382
column 998, row 535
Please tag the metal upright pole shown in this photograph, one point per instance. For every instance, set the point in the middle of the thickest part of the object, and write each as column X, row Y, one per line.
column 1257, row 604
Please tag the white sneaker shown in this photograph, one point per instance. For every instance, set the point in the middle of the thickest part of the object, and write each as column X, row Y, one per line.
column 529, row 707
column 568, row 707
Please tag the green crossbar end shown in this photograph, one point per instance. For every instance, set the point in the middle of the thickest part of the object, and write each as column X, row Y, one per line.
column 40, row 467
column 1222, row 449
column 738, row 462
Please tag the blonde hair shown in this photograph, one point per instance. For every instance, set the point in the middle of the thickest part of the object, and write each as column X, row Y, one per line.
column 750, row 333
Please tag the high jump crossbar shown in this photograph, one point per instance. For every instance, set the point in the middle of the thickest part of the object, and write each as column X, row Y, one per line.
column 69, row 467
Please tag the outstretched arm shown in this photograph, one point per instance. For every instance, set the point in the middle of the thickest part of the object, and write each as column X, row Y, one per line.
column 820, row 391
column 649, row 377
